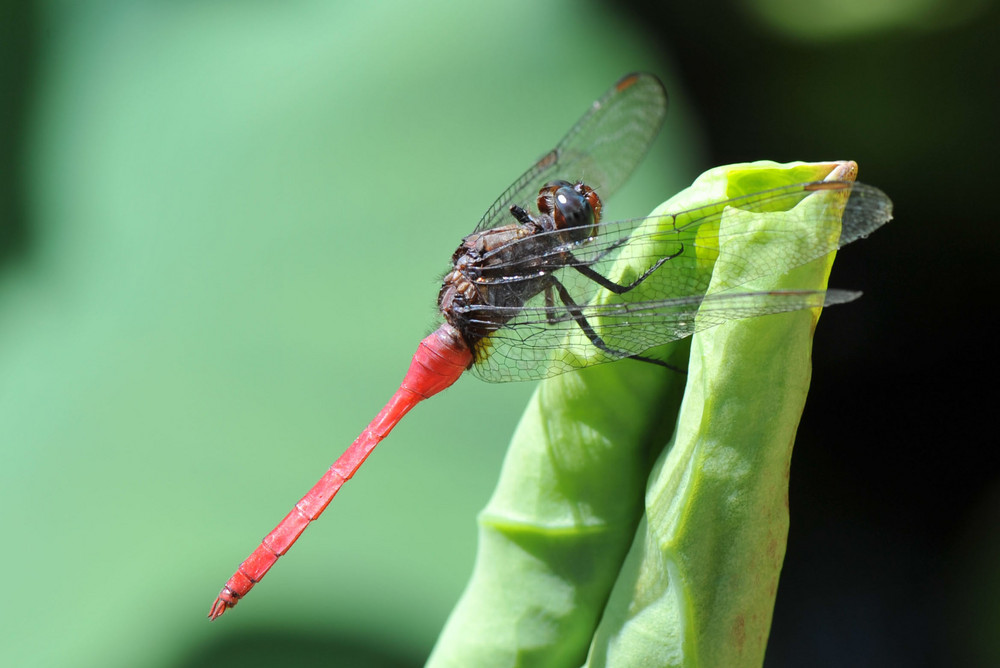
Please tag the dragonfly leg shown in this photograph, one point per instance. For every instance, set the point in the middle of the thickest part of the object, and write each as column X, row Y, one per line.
column 574, row 310
column 607, row 283
column 550, row 303
column 600, row 256
column 520, row 214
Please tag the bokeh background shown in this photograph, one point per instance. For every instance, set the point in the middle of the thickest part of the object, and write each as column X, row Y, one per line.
column 222, row 227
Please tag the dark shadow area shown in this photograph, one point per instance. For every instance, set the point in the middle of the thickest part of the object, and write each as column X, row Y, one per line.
column 274, row 648
column 892, row 465
column 18, row 68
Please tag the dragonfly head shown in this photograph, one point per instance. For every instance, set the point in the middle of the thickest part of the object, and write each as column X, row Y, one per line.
column 573, row 208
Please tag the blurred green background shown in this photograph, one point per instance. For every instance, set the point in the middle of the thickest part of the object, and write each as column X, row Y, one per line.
column 222, row 227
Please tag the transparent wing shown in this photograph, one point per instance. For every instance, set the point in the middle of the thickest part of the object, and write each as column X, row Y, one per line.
column 691, row 290
column 602, row 149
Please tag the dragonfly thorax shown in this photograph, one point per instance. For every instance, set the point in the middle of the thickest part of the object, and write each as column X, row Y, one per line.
column 496, row 270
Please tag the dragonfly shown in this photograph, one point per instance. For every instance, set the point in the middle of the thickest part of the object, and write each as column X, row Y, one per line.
column 535, row 293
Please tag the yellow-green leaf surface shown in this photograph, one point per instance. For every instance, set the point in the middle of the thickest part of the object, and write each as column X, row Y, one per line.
column 600, row 545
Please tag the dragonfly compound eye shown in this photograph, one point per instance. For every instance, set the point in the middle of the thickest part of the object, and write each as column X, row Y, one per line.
column 572, row 209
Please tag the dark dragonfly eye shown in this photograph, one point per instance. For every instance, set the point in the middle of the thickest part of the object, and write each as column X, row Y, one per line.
column 572, row 207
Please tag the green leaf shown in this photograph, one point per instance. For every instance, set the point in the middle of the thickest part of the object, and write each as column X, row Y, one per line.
column 601, row 545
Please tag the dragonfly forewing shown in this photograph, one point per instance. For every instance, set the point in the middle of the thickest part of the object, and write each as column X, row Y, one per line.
column 602, row 149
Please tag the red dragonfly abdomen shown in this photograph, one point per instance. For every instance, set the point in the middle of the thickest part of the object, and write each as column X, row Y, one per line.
column 439, row 361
